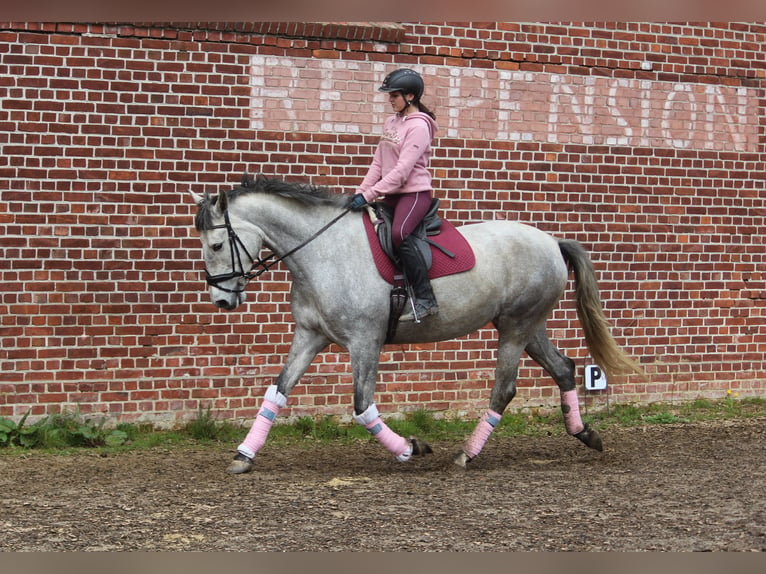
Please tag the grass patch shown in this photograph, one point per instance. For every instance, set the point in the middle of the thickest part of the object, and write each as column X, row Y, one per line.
column 424, row 424
column 70, row 430
column 664, row 418
column 700, row 409
column 206, row 428
column 310, row 429
column 60, row 430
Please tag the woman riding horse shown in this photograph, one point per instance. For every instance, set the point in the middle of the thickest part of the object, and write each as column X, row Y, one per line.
column 399, row 174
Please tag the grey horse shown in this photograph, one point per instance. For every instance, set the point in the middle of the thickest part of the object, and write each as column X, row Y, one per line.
column 337, row 296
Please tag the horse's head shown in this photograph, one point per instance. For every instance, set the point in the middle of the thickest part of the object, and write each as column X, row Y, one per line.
column 226, row 252
column 231, row 241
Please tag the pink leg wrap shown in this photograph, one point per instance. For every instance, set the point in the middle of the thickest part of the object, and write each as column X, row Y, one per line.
column 571, row 409
column 395, row 444
column 256, row 438
column 481, row 433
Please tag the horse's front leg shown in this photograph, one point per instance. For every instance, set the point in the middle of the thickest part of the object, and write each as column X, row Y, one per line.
column 305, row 346
column 364, row 364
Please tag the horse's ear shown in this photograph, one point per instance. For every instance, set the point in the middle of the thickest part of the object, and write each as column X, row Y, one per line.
column 223, row 201
column 196, row 197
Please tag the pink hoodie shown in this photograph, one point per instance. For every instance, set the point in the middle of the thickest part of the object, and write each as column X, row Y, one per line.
column 401, row 160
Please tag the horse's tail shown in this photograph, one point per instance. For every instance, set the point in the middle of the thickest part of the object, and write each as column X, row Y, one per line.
column 602, row 346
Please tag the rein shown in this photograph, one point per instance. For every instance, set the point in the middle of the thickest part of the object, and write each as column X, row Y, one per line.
column 260, row 264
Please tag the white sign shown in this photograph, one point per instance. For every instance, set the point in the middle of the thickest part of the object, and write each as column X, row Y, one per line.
column 595, row 378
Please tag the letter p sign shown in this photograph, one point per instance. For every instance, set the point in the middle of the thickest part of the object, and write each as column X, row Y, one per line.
column 595, row 378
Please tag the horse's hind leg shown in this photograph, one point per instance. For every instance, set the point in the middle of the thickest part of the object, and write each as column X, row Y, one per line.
column 561, row 369
column 508, row 356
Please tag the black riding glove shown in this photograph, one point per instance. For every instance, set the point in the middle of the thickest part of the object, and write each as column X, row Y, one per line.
column 356, row 202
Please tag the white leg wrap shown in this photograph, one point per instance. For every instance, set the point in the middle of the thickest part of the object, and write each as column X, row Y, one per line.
column 273, row 395
column 405, row 456
column 367, row 416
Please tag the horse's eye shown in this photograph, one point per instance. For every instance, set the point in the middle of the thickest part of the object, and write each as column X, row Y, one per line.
column 217, row 246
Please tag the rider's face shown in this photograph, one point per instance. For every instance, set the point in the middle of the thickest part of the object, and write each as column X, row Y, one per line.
column 397, row 101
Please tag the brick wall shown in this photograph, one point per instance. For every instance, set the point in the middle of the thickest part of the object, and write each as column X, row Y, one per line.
column 643, row 141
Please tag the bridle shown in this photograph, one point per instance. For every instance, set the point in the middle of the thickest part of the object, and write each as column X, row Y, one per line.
column 258, row 266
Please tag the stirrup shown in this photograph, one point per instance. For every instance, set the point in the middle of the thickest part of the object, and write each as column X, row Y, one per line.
column 422, row 310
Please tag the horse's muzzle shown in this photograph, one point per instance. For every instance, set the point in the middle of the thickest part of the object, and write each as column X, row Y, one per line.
column 225, row 304
column 228, row 299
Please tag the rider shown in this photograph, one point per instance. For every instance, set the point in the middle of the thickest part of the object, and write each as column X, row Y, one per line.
column 399, row 175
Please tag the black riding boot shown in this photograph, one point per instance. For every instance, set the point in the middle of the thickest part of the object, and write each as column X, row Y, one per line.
column 414, row 267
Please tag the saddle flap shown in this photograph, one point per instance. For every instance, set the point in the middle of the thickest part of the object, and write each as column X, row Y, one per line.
column 448, row 252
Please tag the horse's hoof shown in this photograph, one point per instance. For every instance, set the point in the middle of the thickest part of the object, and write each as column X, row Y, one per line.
column 461, row 459
column 240, row 464
column 419, row 447
column 591, row 438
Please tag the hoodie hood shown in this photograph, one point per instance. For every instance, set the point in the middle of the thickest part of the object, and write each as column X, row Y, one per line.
column 432, row 126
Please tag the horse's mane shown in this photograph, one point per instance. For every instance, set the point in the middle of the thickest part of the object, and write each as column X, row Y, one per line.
column 304, row 193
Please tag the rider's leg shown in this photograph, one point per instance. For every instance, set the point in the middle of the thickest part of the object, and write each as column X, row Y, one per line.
column 409, row 211
column 414, row 267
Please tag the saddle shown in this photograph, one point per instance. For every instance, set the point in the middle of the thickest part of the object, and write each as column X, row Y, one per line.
column 444, row 250
column 383, row 215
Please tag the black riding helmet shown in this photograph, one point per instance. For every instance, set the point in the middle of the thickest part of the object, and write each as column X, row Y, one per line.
column 403, row 80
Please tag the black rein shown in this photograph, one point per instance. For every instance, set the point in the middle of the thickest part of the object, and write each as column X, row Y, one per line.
column 261, row 265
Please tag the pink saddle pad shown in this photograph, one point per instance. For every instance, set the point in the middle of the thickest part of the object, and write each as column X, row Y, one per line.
column 449, row 238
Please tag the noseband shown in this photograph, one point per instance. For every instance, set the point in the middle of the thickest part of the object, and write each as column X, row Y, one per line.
column 259, row 265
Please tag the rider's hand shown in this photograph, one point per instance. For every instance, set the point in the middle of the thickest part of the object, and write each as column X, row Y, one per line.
column 356, row 202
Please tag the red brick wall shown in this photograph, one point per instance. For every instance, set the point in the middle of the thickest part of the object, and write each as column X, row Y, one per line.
column 643, row 141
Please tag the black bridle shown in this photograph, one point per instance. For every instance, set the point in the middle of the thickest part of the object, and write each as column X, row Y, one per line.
column 258, row 266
